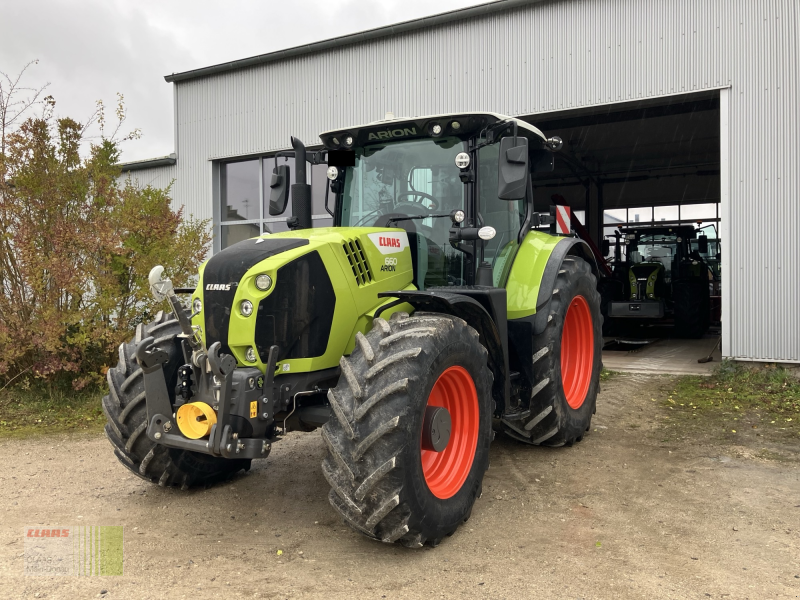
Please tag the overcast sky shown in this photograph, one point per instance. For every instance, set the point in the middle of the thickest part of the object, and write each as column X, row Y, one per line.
column 91, row 49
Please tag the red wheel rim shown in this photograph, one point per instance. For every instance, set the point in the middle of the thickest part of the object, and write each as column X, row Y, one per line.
column 577, row 352
column 446, row 471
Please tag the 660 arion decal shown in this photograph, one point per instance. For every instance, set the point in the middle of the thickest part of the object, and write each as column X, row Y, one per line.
column 389, row 242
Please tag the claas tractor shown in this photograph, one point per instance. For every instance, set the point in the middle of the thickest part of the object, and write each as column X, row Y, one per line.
column 430, row 316
column 659, row 278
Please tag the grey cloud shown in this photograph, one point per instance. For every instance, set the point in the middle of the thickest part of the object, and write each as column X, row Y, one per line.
column 91, row 50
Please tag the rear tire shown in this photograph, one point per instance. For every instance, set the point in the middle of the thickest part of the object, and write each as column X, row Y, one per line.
column 383, row 483
column 567, row 363
column 126, row 413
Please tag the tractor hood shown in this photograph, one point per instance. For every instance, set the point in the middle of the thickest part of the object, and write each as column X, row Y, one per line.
column 319, row 284
column 222, row 275
column 225, row 269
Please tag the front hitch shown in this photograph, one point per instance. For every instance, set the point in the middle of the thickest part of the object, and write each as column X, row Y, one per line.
column 214, row 374
column 222, row 441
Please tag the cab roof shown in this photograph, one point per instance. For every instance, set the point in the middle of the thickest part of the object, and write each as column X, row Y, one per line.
column 462, row 125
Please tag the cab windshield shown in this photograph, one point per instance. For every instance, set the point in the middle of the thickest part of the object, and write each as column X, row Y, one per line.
column 414, row 185
column 659, row 248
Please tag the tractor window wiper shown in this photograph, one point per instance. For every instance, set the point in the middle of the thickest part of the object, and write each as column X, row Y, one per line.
column 416, row 218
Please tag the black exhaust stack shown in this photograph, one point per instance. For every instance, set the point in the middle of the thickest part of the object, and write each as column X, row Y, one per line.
column 301, row 191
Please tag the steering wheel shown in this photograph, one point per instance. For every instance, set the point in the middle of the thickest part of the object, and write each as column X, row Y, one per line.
column 421, row 196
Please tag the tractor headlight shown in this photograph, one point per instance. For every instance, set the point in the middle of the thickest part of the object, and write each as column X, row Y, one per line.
column 246, row 308
column 250, row 354
column 264, row 281
column 436, row 129
column 457, row 216
column 455, row 125
column 197, row 306
column 348, row 141
column 462, row 160
column 333, row 173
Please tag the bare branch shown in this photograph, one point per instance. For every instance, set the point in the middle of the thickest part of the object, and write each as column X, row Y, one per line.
column 12, row 106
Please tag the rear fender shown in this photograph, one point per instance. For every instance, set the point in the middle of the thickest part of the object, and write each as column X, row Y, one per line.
column 533, row 275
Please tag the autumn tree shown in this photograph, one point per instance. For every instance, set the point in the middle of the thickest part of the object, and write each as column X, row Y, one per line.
column 77, row 241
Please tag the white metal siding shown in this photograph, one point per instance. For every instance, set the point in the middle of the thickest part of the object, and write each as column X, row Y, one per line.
column 158, row 177
column 551, row 56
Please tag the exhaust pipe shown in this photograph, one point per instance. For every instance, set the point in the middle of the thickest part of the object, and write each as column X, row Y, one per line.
column 301, row 191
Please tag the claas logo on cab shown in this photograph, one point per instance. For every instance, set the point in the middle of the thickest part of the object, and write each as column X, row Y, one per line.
column 389, row 242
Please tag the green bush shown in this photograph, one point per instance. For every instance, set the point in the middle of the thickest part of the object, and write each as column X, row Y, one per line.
column 76, row 246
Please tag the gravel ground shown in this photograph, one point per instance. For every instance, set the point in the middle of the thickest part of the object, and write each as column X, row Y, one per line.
column 639, row 509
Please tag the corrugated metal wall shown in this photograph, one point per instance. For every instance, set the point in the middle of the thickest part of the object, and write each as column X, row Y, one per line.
column 158, row 177
column 551, row 56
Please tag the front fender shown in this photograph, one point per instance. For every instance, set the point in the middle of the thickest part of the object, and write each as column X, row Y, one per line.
column 484, row 309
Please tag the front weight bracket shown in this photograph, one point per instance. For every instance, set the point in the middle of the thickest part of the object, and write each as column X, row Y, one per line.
column 152, row 360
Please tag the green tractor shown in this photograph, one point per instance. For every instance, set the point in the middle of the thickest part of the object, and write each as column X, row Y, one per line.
column 429, row 317
column 661, row 279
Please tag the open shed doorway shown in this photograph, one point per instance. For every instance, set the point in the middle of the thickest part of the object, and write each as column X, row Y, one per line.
column 643, row 175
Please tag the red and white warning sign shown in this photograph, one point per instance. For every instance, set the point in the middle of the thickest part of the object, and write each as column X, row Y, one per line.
column 563, row 225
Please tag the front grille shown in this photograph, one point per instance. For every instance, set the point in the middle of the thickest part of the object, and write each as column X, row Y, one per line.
column 358, row 261
column 226, row 269
column 298, row 315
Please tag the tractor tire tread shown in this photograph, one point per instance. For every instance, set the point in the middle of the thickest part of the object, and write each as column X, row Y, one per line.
column 366, row 441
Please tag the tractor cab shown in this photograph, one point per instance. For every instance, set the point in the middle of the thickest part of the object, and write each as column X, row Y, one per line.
column 430, row 176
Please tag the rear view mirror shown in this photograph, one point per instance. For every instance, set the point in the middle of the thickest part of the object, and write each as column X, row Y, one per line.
column 702, row 244
column 279, row 190
column 605, row 247
column 512, row 168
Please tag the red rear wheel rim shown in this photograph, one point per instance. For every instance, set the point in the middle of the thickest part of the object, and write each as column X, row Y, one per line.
column 577, row 352
column 446, row 471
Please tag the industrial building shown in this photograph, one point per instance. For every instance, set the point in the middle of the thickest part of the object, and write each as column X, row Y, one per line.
column 675, row 111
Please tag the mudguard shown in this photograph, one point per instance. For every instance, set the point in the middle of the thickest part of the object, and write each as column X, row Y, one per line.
column 484, row 309
column 533, row 275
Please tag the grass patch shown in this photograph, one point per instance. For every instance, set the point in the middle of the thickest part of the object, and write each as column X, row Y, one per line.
column 736, row 387
column 605, row 374
column 739, row 398
column 39, row 410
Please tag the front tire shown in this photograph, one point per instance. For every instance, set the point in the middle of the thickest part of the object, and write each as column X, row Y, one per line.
column 566, row 363
column 126, row 415
column 383, row 482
